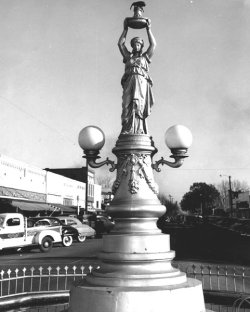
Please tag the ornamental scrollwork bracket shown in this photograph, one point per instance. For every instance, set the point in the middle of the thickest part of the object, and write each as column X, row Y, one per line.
column 178, row 155
column 93, row 156
column 93, row 164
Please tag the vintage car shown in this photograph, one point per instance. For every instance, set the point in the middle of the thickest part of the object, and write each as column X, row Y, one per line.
column 15, row 233
column 103, row 225
column 68, row 232
column 83, row 229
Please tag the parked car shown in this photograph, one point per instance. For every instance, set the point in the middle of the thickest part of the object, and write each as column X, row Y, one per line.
column 83, row 229
column 103, row 225
column 68, row 232
column 16, row 232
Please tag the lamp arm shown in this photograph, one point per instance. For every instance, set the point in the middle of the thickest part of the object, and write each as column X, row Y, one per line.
column 93, row 164
column 176, row 164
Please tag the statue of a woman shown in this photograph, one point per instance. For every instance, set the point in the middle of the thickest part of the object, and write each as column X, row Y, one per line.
column 137, row 98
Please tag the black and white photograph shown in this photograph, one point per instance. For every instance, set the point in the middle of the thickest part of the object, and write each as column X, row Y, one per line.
column 124, row 156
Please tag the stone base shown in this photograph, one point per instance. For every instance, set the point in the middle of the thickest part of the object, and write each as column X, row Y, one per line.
column 186, row 297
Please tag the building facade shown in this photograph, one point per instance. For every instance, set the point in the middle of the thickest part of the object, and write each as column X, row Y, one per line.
column 27, row 186
column 241, row 203
column 85, row 176
column 240, row 207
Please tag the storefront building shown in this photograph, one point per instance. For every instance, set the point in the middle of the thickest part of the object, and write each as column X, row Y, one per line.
column 30, row 188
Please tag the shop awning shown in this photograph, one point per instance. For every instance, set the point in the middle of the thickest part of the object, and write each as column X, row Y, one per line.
column 28, row 206
column 64, row 208
column 23, row 205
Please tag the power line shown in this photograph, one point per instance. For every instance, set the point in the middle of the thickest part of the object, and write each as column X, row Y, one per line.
column 212, row 169
column 37, row 119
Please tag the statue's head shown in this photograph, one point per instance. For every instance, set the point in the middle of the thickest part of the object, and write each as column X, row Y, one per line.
column 137, row 44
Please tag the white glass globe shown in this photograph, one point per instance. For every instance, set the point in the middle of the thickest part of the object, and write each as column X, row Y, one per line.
column 91, row 138
column 178, row 137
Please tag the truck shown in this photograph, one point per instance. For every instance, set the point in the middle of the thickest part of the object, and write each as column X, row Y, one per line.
column 17, row 232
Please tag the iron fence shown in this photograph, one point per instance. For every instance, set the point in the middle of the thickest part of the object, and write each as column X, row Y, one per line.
column 226, row 288
column 225, row 278
column 40, row 279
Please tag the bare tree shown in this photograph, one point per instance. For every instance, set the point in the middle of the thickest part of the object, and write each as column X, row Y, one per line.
column 105, row 181
column 237, row 185
column 172, row 208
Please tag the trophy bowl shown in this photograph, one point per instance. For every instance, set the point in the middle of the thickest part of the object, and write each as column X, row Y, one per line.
column 136, row 22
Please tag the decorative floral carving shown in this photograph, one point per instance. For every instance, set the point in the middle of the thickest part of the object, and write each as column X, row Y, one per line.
column 139, row 167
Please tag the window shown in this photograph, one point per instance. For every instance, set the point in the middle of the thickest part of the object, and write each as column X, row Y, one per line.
column 67, row 202
column 42, row 223
column 55, row 222
column 13, row 222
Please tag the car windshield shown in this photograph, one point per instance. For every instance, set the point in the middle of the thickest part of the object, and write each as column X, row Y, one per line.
column 42, row 222
column 48, row 222
column 72, row 222
column 55, row 222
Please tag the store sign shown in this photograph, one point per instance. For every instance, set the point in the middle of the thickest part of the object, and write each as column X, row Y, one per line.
column 15, row 193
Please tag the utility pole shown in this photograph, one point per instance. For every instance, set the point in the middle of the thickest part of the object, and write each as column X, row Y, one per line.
column 87, row 186
column 230, row 196
column 201, row 212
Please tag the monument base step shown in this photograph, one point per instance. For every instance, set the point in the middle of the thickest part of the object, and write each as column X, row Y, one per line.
column 187, row 297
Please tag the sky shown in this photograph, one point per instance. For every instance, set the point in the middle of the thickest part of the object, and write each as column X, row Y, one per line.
column 61, row 71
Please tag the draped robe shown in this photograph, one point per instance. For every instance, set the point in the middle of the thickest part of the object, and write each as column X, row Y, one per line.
column 137, row 98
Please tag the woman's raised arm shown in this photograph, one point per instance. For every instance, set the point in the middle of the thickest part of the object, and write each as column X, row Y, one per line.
column 121, row 43
column 151, row 39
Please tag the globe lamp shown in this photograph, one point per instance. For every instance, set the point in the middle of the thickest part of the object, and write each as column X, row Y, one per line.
column 178, row 138
column 91, row 138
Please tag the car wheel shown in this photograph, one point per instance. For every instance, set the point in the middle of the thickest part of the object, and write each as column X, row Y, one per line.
column 81, row 238
column 67, row 241
column 46, row 244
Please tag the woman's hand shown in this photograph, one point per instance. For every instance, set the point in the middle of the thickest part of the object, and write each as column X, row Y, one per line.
column 148, row 26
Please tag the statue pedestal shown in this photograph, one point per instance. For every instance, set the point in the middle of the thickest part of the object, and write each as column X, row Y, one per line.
column 186, row 297
column 136, row 274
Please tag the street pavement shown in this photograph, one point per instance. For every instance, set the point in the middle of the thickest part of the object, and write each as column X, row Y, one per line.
column 87, row 252
column 76, row 253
